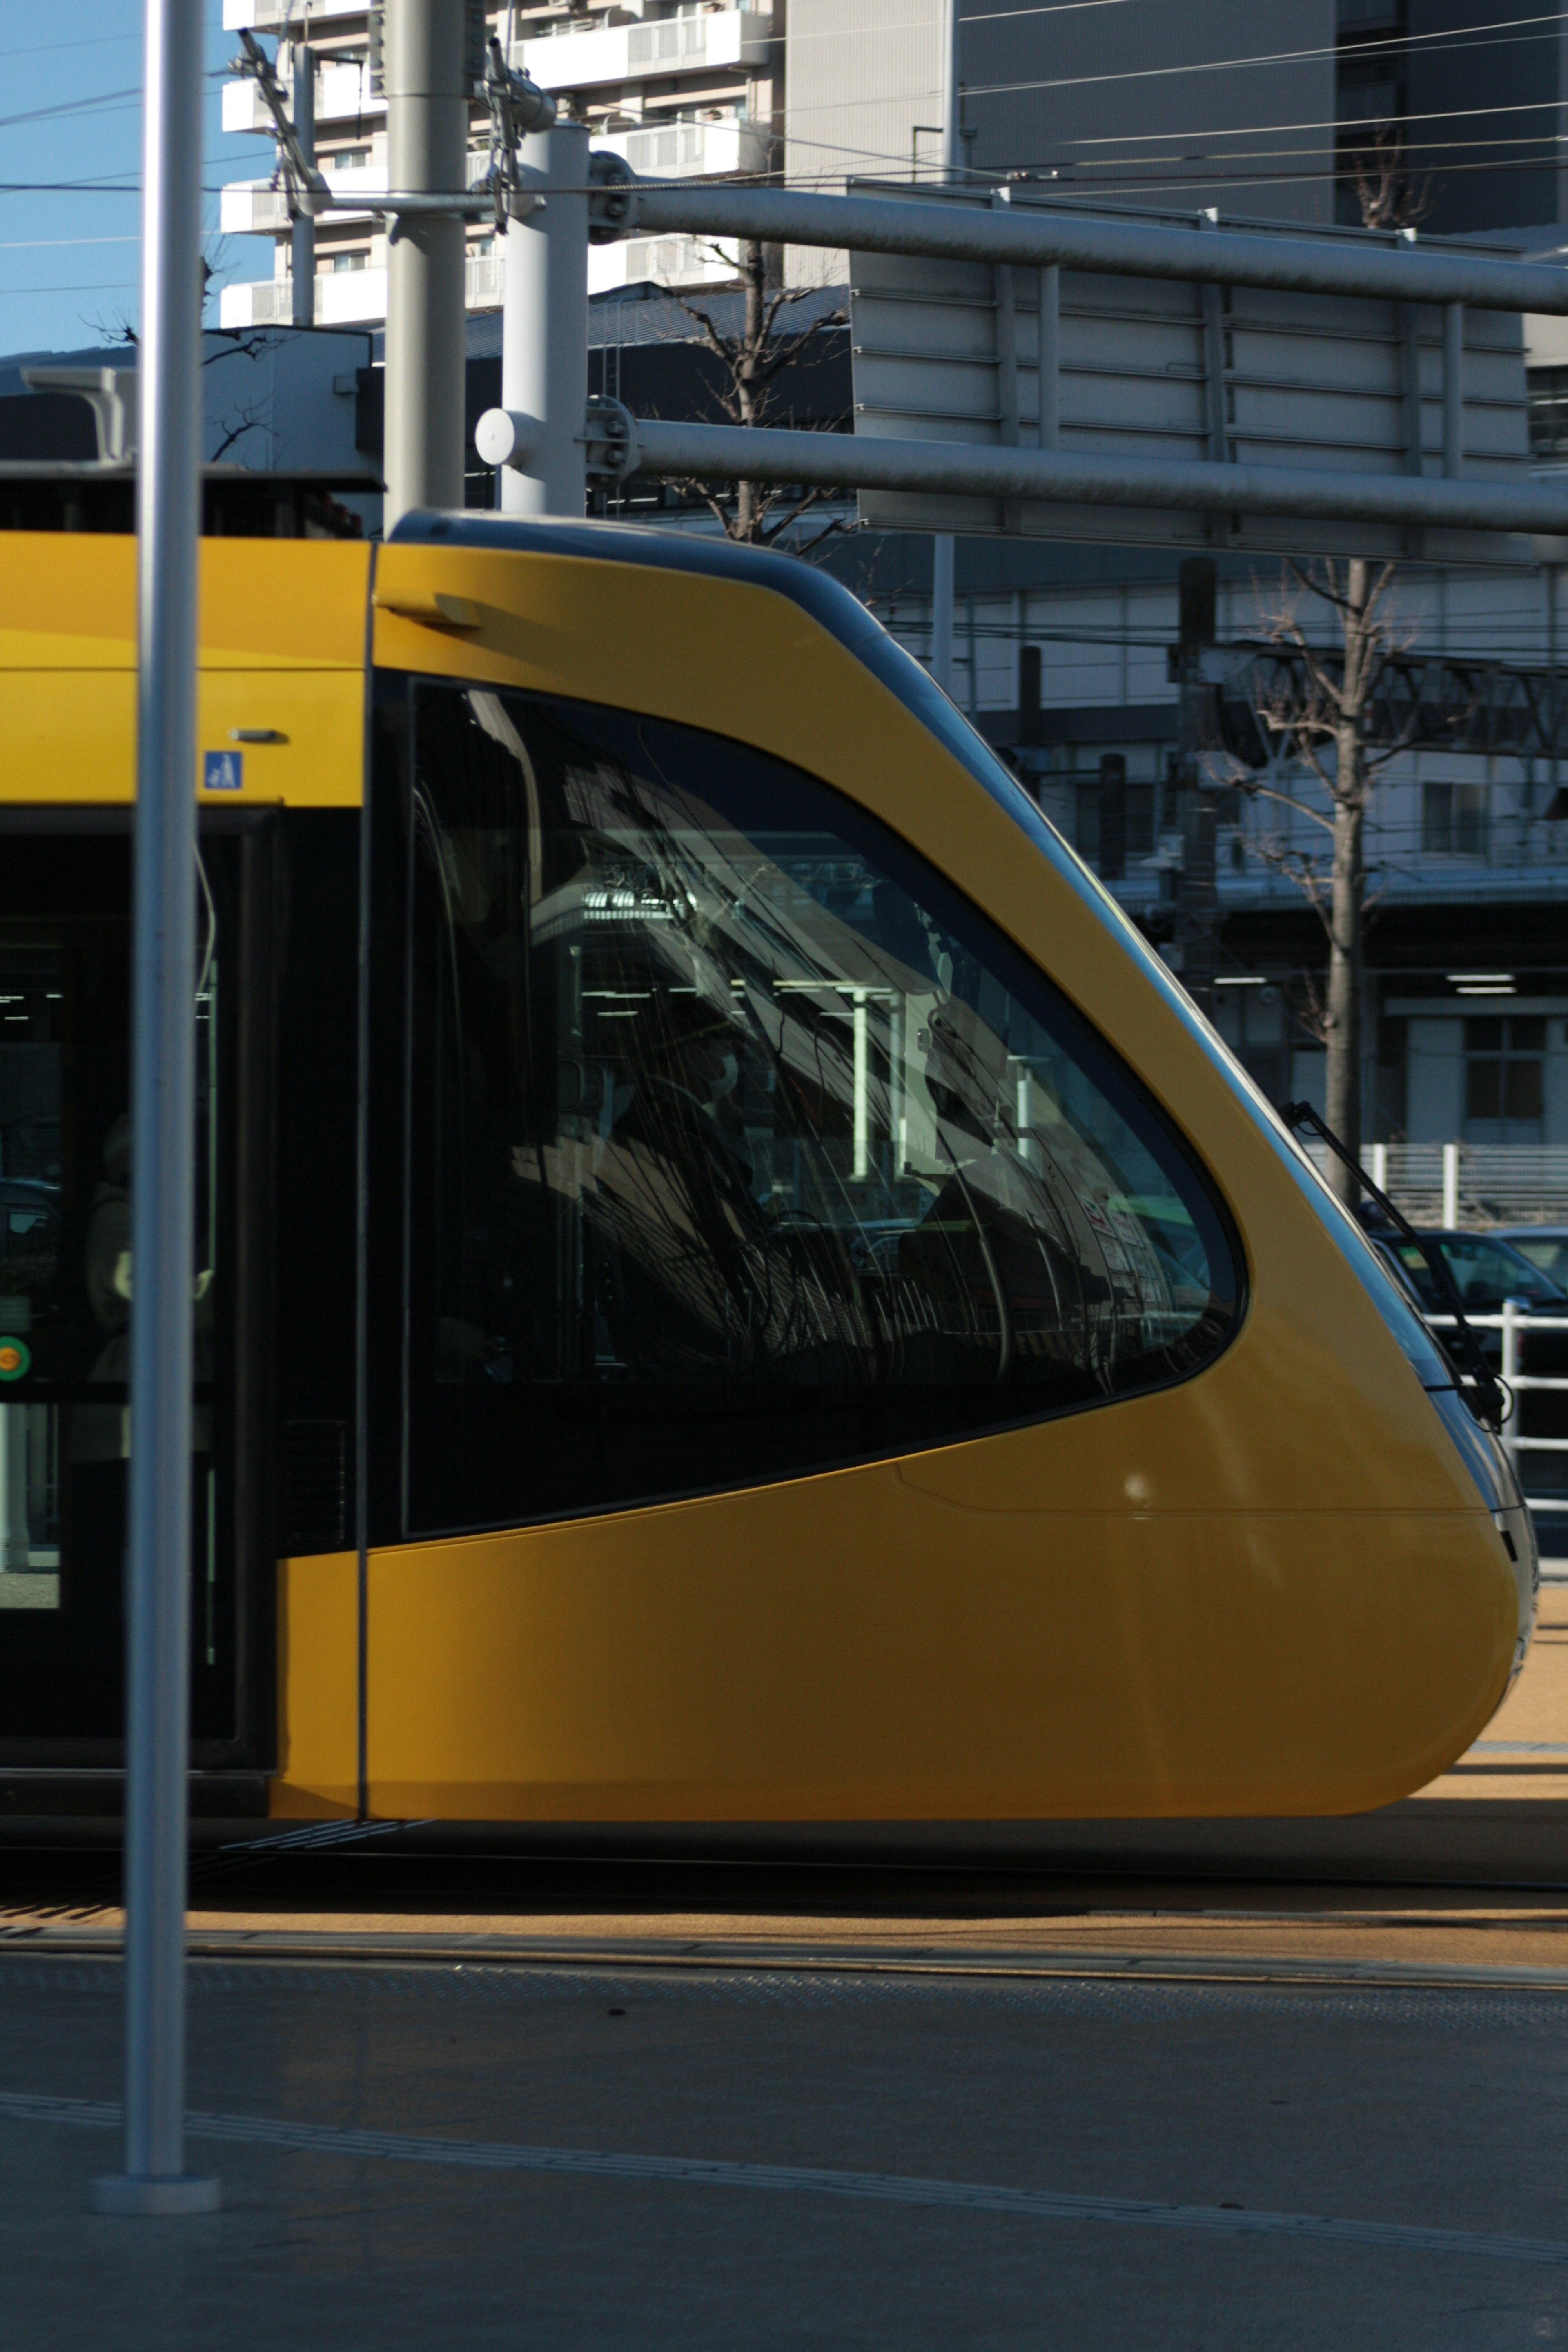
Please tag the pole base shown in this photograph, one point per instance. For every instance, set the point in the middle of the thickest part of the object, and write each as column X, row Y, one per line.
column 170, row 2195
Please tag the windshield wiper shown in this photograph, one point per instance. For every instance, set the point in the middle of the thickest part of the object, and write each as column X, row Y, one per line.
column 1490, row 1393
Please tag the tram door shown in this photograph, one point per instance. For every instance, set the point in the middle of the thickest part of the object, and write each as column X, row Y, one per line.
column 68, row 1277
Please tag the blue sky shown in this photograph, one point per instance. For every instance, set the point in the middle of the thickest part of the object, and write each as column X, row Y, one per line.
column 69, row 255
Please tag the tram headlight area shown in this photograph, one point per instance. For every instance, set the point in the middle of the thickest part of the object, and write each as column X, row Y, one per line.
column 732, row 1287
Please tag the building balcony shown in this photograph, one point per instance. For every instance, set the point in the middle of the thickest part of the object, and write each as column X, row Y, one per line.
column 343, row 96
column 280, row 15
column 622, row 53
column 346, row 298
column 690, row 151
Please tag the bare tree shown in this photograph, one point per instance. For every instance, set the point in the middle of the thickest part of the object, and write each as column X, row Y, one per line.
column 1389, row 196
column 1320, row 715
column 752, row 360
column 1319, row 712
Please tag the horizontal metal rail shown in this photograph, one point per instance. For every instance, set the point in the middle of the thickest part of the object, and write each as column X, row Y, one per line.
column 1034, row 238
column 1514, row 1326
column 620, row 445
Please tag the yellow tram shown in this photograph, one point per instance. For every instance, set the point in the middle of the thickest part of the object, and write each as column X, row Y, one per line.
column 732, row 1288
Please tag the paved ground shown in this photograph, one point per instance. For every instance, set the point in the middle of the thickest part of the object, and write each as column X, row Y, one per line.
column 690, row 2107
column 1418, row 2111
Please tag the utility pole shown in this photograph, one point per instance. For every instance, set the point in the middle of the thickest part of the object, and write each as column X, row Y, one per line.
column 942, row 549
column 539, row 182
column 163, row 1083
column 302, row 243
column 428, row 72
column 304, row 189
column 1197, row 896
column 544, row 321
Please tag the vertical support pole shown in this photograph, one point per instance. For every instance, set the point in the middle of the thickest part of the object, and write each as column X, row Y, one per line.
column 1112, row 817
column 1410, row 369
column 1213, row 373
column 1197, row 899
column 302, row 243
column 942, row 545
column 862, row 1052
column 974, row 696
column 1453, row 389
column 1028, row 696
column 1024, row 1117
column 428, row 130
column 15, row 1536
column 1450, row 1184
column 1509, row 1370
column 897, row 1132
column 163, row 1229
column 1380, row 1166
column 942, row 551
column 1050, row 357
column 952, row 143
column 544, row 321
column 1007, row 420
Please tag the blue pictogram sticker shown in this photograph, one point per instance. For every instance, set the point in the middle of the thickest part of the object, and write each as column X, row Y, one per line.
column 223, row 771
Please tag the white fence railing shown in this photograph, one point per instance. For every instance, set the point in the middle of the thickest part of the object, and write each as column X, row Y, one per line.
column 1469, row 1184
column 1515, row 1326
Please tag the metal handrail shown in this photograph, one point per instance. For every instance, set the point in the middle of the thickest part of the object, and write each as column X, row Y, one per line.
column 1511, row 1323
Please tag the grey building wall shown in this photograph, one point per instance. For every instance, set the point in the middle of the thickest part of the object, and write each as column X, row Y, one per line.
column 1486, row 110
column 1143, row 101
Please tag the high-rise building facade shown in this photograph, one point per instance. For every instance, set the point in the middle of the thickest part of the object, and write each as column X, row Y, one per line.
column 681, row 87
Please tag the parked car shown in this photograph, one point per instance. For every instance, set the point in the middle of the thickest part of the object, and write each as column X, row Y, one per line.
column 1486, row 1271
column 1546, row 1247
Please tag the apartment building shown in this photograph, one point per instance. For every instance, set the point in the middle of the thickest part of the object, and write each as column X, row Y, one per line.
column 679, row 88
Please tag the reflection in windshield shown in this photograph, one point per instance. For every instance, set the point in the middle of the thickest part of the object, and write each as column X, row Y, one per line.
column 740, row 1142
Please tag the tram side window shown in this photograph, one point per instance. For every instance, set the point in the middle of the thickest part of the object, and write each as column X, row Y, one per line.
column 740, row 1143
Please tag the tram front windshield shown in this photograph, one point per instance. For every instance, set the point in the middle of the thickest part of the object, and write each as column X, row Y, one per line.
column 739, row 1143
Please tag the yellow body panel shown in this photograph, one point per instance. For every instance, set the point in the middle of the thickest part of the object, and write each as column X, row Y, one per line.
column 282, row 651
column 844, row 1651
column 1272, row 1587
column 318, row 1687
column 1215, row 1599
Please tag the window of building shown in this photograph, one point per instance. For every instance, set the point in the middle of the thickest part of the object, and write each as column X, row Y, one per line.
column 1504, row 1078
column 740, row 1143
column 350, row 159
column 1454, row 820
column 1546, row 405
column 360, row 260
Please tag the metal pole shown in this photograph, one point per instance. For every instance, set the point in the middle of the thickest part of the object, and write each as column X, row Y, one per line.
column 621, row 445
column 1032, row 235
column 1452, row 388
column 1197, row 903
column 427, row 128
column 545, row 322
column 162, row 1133
column 942, row 552
column 942, row 610
column 302, row 245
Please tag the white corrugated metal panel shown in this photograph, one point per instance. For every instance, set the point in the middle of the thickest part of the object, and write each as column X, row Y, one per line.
column 1261, row 377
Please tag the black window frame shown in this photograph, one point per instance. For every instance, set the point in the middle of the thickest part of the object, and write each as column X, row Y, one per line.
column 393, row 1240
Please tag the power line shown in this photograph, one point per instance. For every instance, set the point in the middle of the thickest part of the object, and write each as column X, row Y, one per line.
column 1454, row 38
column 45, row 48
